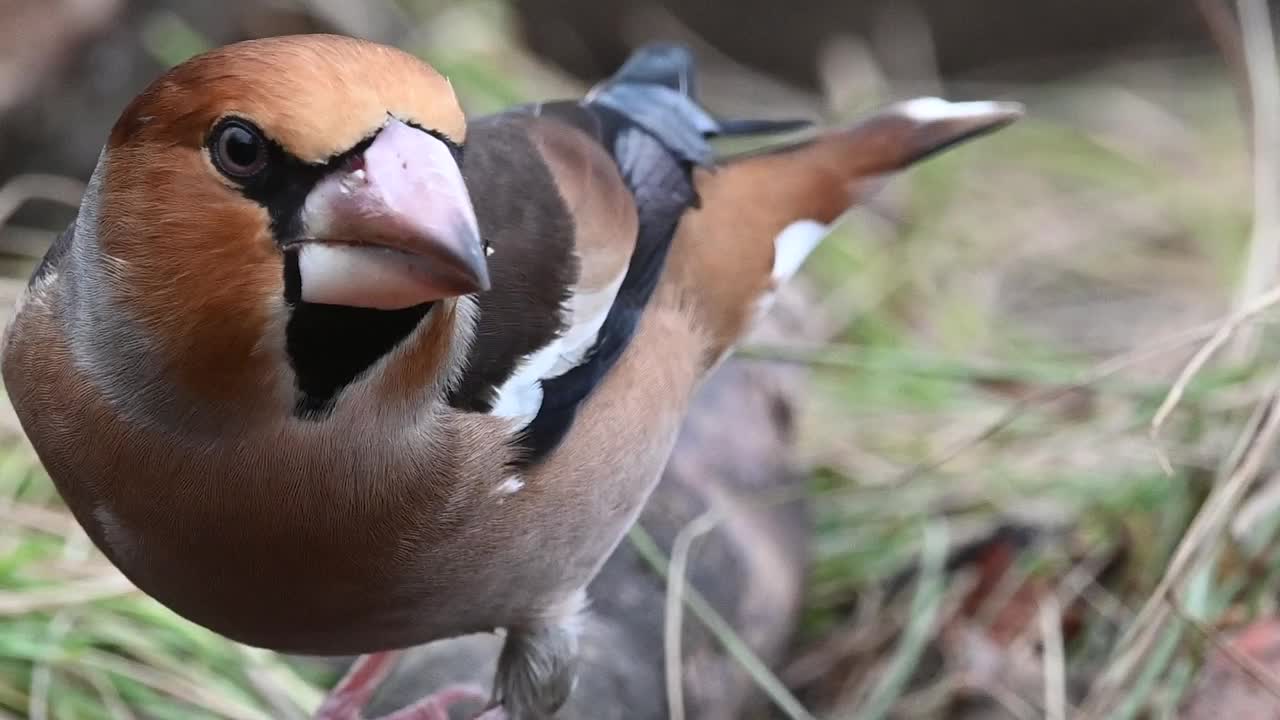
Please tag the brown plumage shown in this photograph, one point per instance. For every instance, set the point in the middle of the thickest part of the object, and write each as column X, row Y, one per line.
column 326, row 371
column 726, row 250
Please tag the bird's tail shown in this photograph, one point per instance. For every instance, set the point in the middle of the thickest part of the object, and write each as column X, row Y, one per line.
column 763, row 213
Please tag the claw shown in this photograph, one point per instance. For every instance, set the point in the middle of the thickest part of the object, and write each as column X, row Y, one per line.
column 436, row 705
column 358, row 686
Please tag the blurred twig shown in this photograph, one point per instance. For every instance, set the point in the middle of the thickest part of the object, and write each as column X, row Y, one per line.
column 1251, row 667
column 21, row 189
column 67, row 595
column 1225, row 31
column 1010, row 701
column 854, row 358
column 1230, row 327
column 278, row 685
column 383, row 20
column 1092, row 377
column 648, row 549
column 38, row 38
column 1263, row 260
column 925, row 606
column 35, row 517
column 170, row 39
column 176, row 687
column 1213, row 516
column 674, row 616
column 1055, row 664
column 42, row 675
column 111, row 699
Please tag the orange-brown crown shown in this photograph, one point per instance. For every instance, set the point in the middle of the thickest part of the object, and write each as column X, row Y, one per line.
column 317, row 95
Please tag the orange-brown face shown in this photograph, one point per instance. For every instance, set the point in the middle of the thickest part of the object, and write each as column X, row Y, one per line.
column 311, row 177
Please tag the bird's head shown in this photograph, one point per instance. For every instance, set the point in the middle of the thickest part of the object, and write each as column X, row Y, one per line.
column 286, row 206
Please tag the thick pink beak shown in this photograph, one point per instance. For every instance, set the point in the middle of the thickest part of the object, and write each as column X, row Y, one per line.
column 393, row 228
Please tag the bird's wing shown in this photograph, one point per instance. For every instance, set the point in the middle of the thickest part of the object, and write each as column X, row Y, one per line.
column 579, row 201
column 763, row 212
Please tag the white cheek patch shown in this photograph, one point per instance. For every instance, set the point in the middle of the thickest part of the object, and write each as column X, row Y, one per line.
column 360, row 276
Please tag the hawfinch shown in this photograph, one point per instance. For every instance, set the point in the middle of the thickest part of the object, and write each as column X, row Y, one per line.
column 327, row 368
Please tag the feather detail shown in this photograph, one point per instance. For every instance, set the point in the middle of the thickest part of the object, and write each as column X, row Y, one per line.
column 520, row 397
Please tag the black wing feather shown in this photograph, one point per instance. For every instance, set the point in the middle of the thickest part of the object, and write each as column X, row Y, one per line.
column 663, row 190
column 648, row 116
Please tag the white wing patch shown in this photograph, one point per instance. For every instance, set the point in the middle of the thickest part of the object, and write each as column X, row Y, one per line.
column 793, row 246
column 931, row 109
column 521, row 395
column 790, row 249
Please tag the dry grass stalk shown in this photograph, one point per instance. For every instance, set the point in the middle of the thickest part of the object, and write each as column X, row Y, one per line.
column 42, row 675
column 1204, row 531
column 1054, row 662
column 70, row 594
column 1250, row 666
column 1263, row 260
column 1221, row 336
column 22, row 189
column 674, row 610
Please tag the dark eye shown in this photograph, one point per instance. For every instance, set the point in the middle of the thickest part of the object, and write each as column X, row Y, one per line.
column 238, row 150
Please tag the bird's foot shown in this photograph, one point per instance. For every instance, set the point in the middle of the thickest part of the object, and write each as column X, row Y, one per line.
column 432, row 707
column 436, row 705
column 356, row 689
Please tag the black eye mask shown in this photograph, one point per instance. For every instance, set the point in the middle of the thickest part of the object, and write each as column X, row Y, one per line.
column 329, row 346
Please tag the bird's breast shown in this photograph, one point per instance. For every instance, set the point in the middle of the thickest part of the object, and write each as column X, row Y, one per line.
column 290, row 550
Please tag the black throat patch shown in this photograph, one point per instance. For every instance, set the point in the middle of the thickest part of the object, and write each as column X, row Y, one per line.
column 330, row 346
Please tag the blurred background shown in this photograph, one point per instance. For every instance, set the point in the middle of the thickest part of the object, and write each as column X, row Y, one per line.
column 995, row 507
